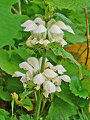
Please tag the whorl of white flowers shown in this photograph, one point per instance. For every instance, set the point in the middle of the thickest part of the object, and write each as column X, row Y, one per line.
column 50, row 79
column 39, row 32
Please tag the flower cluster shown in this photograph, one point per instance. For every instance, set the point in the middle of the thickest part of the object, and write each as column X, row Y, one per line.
column 50, row 79
column 39, row 32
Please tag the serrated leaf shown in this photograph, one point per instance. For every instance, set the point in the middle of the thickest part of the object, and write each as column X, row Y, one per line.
column 14, row 85
column 68, row 4
column 73, row 39
column 4, row 95
column 9, row 65
column 76, row 88
column 58, row 50
column 5, row 114
column 86, row 84
column 66, row 94
column 9, row 23
column 64, row 18
column 24, row 53
column 61, row 110
column 25, row 117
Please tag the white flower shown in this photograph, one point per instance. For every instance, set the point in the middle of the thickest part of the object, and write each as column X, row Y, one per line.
column 57, row 81
column 31, row 27
column 26, row 66
column 69, row 29
column 39, row 21
column 49, row 87
column 50, row 73
column 27, row 23
column 18, row 74
column 65, row 78
column 34, row 63
column 49, row 80
column 40, row 29
column 39, row 32
column 55, row 29
column 61, row 25
column 58, row 89
column 39, row 79
column 48, row 65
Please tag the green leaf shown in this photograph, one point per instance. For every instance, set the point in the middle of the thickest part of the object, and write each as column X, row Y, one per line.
column 61, row 110
column 13, row 85
column 68, row 4
column 4, row 95
column 86, row 85
column 9, row 65
column 64, row 18
column 4, row 115
column 27, row 103
column 9, row 23
column 58, row 50
column 77, row 89
column 66, row 95
column 24, row 53
column 25, row 117
column 51, row 56
column 77, row 38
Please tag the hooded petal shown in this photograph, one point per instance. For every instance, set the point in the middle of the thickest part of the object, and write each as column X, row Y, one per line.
column 34, row 63
column 61, row 68
column 51, row 22
column 18, row 74
column 26, row 66
column 40, row 29
column 50, row 73
column 65, row 78
column 61, row 25
column 46, row 94
column 57, row 81
column 31, row 27
column 48, row 65
column 69, row 29
column 55, row 29
column 39, row 21
column 58, row 89
column 49, row 87
column 63, row 42
column 39, row 79
column 27, row 23
column 57, row 69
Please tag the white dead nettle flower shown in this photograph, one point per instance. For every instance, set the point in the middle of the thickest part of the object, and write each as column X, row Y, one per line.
column 50, row 79
column 65, row 78
column 39, row 21
column 49, row 87
column 34, row 63
column 39, row 79
column 59, row 68
column 39, row 32
column 61, row 25
column 69, row 29
column 50, row 74
column 18, row 74
column 26, row 66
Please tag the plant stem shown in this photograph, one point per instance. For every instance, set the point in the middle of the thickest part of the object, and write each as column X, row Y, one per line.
column 43, row 61
column 39, row 94
column 38, row 106
column 20, row 7
column 87, row 27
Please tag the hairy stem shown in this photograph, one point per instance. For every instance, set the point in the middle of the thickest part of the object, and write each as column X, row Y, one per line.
column 87, row 27
column 20, row 7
